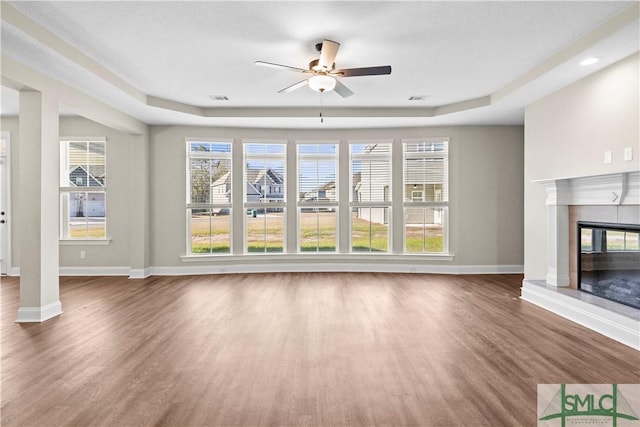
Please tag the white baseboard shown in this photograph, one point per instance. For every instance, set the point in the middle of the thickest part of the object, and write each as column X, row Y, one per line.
column 616, row 321
column 39, row 314
column 268, row 266
column 94, row 271
column 229, row 268
column 490, row 269
column 140, row 273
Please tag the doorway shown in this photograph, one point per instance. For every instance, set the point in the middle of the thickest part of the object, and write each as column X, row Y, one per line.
column 5, row 187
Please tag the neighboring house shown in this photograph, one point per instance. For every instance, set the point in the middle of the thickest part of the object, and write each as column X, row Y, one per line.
column 423, row 182
column 262, row 186
column 356, row 177
column 326, row 192
column 91, row 204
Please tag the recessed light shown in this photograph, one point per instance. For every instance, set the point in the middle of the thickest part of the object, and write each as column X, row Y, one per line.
column 589, row 61
column 419, row 97
column 218, row 97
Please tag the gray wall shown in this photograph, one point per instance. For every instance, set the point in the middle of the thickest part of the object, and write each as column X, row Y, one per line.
column 117, row 253
column 486, row 194
column 566, row 135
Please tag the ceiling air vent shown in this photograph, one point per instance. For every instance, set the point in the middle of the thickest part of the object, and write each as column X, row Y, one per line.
column 218, row 98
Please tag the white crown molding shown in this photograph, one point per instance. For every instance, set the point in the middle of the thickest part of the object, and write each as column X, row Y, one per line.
column 39, row 314
column 16, row 75
column 32, row 29
column 602, row 32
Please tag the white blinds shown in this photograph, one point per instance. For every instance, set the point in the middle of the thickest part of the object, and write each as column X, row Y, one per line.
column 209, row 174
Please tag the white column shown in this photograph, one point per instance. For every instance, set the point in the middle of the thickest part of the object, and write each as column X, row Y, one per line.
column 39, row 207
column 558, row 234
column 139, row 203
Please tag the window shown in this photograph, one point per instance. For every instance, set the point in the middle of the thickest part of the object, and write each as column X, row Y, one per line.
column 83, row 190
column 264, row 198
column 370, row 197
column 425, row 171
column 273, row 197
column 209, row 196
column 317, row 197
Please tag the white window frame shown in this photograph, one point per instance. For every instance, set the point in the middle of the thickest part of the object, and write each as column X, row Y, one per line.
column 342, row 206
column 272, row 204
column 442, row 204
column 334, row 205
column 190, row 206
column 64, row 236
column 384, row 156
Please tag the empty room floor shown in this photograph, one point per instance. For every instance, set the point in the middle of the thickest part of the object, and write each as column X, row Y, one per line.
column 316, row 349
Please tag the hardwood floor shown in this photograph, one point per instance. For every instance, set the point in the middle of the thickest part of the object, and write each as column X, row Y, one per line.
column 336, row 349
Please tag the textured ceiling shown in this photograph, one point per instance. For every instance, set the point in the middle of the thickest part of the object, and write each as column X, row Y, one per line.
column 185, row 51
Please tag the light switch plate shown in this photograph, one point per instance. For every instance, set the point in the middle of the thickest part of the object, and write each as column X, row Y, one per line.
column 628, row 154
column 607, row 156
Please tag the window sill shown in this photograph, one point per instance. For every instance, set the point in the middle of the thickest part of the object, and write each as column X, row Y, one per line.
column 85, row 242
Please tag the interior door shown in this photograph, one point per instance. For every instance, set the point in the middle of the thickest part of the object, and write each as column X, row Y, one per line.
column 4, row 204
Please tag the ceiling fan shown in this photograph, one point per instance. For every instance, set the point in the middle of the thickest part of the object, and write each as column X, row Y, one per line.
column 324, row 78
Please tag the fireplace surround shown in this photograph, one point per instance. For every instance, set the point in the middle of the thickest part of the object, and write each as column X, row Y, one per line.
column 610, row 198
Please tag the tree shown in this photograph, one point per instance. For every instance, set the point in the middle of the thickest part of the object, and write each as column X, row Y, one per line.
column 205, row 172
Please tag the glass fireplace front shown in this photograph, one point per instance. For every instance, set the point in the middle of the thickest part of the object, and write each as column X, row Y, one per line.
column 609, row 261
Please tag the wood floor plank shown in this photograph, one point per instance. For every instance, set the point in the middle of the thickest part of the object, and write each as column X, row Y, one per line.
column 303, row 349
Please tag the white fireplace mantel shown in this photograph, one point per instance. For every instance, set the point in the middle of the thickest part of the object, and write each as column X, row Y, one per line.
column 621, row 188
column 616, row 189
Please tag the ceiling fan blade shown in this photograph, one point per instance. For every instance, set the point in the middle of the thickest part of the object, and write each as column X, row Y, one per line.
column 294, row 86
column 342, row 90
column 366, row 71
column 281, row 67
column 328, row 53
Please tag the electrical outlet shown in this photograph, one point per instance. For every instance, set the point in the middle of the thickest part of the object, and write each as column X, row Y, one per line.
column 83, row 254
column 607, row 156
column 628, row 154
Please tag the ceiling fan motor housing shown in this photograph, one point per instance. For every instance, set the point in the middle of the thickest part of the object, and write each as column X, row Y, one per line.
column 313, row 66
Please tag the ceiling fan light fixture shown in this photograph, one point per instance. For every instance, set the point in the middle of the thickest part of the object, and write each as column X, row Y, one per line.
column 322, row 83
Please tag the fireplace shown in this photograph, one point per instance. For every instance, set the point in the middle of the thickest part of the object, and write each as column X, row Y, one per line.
column 609, row 261
column 604, row 301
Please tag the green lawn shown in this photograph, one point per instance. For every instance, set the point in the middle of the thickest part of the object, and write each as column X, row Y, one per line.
column 317, row 233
